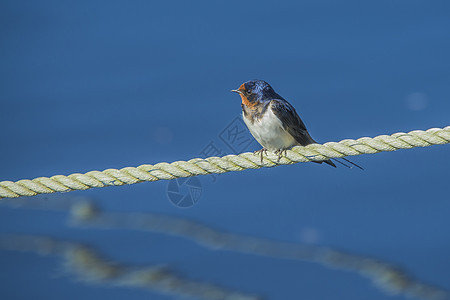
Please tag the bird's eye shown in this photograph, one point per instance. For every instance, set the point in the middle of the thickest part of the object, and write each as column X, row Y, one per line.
column 249, row 92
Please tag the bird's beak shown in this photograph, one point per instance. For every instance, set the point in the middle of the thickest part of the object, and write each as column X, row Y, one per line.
column 237, row 91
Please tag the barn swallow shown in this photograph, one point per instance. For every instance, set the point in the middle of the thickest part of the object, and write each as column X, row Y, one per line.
column 273, row 121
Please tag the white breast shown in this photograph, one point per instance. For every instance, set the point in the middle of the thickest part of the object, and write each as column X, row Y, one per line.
column 269, row 132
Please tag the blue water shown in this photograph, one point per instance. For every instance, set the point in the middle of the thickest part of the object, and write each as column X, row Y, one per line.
column 91, row 85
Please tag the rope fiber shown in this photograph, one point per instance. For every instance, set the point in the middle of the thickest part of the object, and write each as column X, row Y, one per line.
column 228, row 163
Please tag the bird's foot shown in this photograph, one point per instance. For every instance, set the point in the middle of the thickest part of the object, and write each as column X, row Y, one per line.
column 279, row 152
column 262, row 152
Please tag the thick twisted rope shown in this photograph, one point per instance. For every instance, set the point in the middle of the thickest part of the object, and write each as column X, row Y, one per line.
column 216, row 165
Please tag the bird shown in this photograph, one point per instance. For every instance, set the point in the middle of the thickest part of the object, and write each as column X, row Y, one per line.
column 273, row 121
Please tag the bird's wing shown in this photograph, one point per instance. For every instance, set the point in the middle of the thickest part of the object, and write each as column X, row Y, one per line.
column 291, row 121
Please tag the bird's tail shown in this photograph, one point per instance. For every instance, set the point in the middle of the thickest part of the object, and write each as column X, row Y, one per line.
column 329, row 162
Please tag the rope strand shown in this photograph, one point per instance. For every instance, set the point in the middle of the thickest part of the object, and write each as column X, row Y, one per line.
column 228, row 163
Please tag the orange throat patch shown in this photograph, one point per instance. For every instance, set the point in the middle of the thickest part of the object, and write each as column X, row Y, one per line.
column 246, row 102
column 244, row 99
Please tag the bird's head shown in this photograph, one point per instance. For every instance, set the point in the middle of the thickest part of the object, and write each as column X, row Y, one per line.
column 256, row 91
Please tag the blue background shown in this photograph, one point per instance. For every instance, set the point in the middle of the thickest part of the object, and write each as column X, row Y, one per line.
column 91, row 85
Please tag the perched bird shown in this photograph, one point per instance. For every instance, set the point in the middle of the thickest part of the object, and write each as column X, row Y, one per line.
column 272, row 120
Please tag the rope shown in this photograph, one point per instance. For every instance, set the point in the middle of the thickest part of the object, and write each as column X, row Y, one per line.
column 228, row 163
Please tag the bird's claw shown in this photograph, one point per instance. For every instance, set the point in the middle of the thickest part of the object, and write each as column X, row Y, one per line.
column 279, row 152
column 262, row 152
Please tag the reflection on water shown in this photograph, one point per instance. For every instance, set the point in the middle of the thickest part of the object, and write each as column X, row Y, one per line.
column 92, row 266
